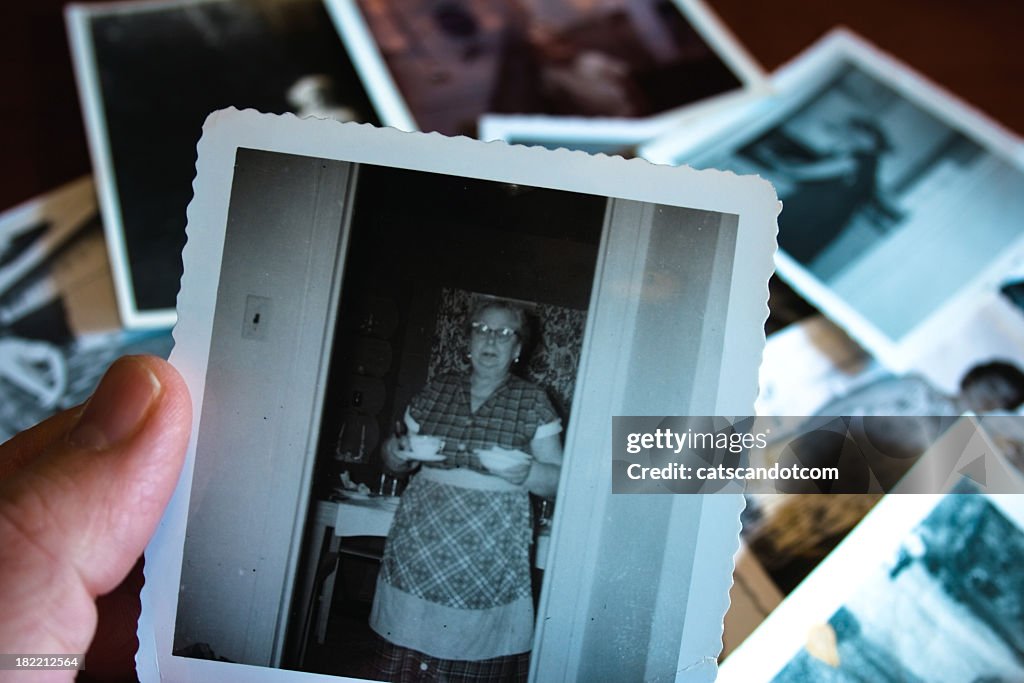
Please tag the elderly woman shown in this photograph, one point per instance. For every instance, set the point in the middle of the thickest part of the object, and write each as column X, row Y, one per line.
column 453, row 598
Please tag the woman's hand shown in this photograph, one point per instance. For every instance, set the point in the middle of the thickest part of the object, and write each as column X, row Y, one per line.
column 508, row 463
column 396, row 453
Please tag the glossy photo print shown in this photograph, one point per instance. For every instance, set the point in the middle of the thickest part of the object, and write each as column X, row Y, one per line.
column 900, row 204
column 924, row 589
column 421, row 371
column 148, row 74
column 440, row 66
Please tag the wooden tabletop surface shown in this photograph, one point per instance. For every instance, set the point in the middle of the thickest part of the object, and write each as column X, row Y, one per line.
column 970, row 48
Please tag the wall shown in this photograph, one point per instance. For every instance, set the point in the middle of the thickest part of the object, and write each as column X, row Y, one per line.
column 251, row 474
column 616, row 595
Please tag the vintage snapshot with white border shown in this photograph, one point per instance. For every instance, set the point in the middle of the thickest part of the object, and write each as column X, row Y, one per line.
column 601, row 135
column 624, row 71
column 328, row 275
column 901, row 204
column 925, row 588
column 148, row 74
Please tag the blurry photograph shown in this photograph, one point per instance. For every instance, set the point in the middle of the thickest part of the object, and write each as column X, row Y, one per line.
column 575, row 133
column 955, row 578
column 879, row 172
column 59, row 328
column 164, row 66
column 440, row 66
column 406, row 474
column 932, row 596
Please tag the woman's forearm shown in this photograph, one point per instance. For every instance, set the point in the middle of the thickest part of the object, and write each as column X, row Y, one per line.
column 543, row 479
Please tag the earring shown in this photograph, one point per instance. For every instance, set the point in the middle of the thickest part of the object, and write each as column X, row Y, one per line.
column 469, row 354
column 516, row 359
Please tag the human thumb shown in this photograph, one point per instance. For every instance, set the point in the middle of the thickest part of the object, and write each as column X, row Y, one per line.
column 78, row 510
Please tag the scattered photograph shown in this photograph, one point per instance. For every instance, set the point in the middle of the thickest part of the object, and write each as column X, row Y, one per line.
column 568, row 133
column 879, row 172
column 439, row 66
column 922, row 590
column 752, row 597
column 39, row 378
column 31, row 235
column 417, row 375
column 620, row 137
column 149, row 73
column 954, row 578
column 59, row 329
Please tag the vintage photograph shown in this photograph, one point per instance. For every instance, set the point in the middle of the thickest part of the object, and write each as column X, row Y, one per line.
column 603, row 135
column 440, row 66
column 455, row 358
column 151, row 66
column 59, row 329
column 955, row 578
column 570, row 133
column 878, row 172
column 401, row 406
column 932, row 564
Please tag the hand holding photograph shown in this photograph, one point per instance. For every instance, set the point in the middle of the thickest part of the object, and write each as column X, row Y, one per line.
column 404, row 353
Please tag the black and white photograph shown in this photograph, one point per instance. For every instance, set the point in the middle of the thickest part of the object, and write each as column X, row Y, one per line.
column 59, row 328
column 923, row 589
column 457, row 345
column 955, row 577
column 149, row 73
column 441, row 66
column 889, row 185
column 402, row 407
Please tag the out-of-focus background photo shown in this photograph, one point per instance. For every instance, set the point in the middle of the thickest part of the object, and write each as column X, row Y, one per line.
column 895, row 147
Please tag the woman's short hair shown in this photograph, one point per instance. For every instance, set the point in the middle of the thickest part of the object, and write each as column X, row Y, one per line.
column 517, row 312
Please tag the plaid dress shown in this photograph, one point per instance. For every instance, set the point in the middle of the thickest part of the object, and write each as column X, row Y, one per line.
column 454, row 584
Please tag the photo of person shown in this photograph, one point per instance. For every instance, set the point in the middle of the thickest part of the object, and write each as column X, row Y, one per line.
column 406, row 480
column 169, row 64
column 474, row 370
column 904, row 416
column 880, row 174
column 841, row 161
column 482, row 442
column 453, row 61
column 829, row 189
column 953, row 578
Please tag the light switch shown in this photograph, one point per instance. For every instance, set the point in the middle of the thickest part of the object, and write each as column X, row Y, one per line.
column 257, row 317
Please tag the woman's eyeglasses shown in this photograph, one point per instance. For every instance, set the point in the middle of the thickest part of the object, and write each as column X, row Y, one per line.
column 500, row 335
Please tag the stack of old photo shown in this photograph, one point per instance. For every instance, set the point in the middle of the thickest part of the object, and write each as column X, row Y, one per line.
column 593, row 76
column 332, row 275
column 59, row 327
column 901, row 225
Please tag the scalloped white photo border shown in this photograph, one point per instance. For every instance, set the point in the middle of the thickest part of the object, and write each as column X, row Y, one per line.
column 730, row 389
column 792, row 85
